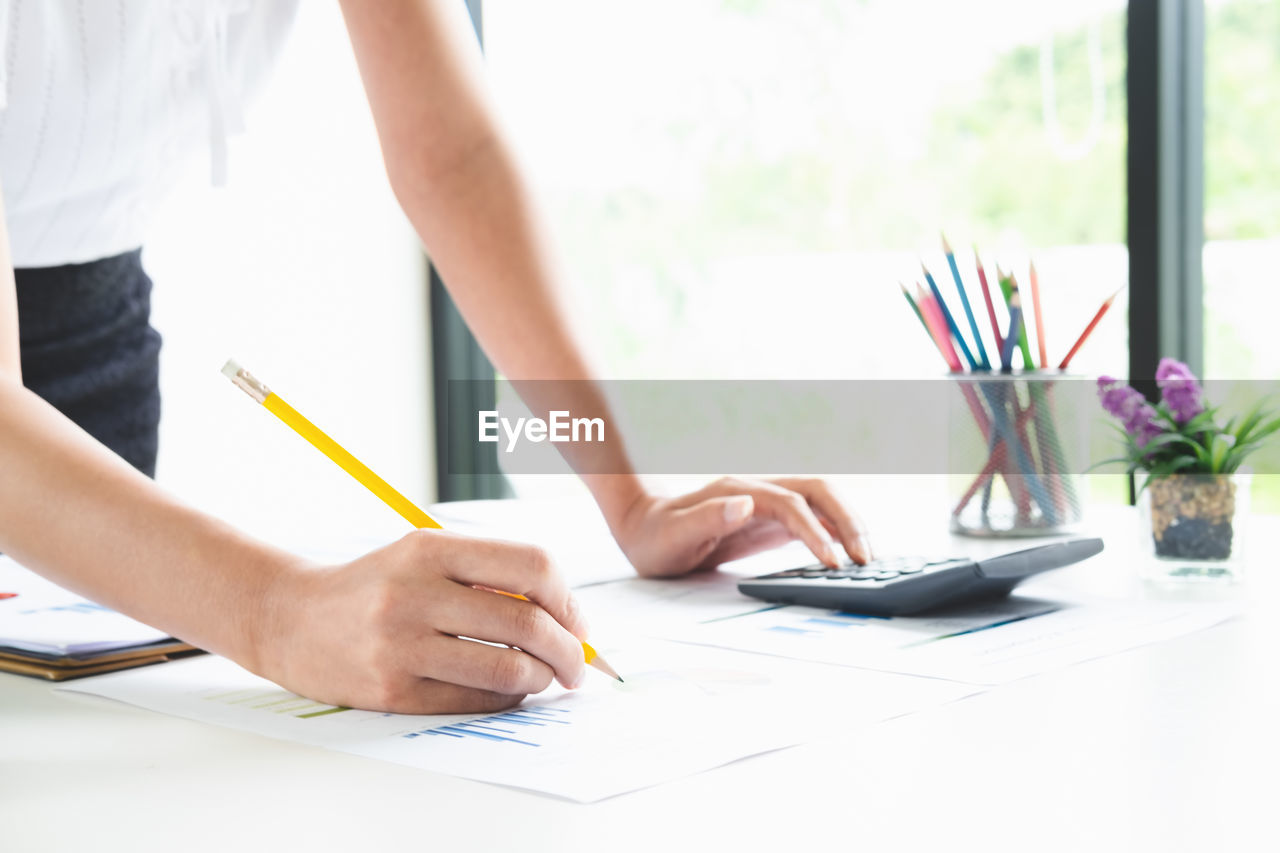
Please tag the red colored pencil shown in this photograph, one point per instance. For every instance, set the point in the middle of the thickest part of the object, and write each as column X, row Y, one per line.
column 1035, row 302
column 1089, row 329
column 937, row 327
column 986, row 297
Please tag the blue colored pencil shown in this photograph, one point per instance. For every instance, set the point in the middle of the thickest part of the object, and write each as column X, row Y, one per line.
column 1015, row 326
column 964, row 300
column 1005, row 429
column 951, row 322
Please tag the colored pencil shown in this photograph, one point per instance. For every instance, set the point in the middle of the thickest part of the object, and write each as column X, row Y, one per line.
column 1007, row 283
column 1015, row 326
column 938, row 329
column 1088, row 329
column 925, row 323
column 1006, row 429
column 1039, row 312
column 946, row 315
column 913, row 305
column 986, row 296
column 964, row 301
column 272, row 402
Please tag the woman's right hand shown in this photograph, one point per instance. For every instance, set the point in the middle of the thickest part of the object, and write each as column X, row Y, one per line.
column 384, row 632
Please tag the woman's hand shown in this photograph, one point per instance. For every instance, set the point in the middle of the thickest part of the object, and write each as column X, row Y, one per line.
column 384, row 632
column 733, row 518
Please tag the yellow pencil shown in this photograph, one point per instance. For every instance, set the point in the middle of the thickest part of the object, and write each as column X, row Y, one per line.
column 256, row 389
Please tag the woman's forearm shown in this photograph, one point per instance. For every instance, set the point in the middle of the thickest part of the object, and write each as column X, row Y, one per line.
column 506, row 289
column 457, row 180
column 81, row 516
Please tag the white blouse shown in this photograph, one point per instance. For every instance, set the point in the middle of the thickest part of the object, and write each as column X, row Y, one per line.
column 103, row 101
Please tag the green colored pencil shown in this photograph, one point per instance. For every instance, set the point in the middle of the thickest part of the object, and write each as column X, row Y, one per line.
column 1006, row 287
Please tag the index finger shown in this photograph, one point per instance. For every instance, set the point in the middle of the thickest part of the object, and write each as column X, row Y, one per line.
column 519, row 571
column 850, row 529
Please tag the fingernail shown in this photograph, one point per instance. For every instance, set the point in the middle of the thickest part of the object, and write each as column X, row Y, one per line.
column 575, row 621
column 830, row 555
column 578, row 682
column 736, row 509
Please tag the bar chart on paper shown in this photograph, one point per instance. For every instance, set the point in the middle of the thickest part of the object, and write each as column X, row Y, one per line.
column 982, row 644
column 915, row 645
column 676, row 715
column 682, row 710
column 276, row 701
column 511, row 727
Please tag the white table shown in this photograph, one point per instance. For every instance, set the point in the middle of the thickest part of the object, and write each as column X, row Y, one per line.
column 1167, row 747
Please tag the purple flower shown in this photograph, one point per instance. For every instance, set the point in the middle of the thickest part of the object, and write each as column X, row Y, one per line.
column 1179, row 390
column 1130, row 407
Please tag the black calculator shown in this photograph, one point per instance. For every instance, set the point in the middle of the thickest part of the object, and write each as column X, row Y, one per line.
column 899, row 586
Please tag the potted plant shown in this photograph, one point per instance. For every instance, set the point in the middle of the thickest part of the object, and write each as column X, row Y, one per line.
column 1192, row 459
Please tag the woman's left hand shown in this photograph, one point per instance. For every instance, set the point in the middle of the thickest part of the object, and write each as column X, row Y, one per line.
column 733, row 518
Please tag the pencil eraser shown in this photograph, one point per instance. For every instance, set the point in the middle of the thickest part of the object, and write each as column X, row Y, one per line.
column 230, row 369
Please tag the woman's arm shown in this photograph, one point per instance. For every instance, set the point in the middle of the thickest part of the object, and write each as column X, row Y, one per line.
column 10, row 352
column 380, row 632
column 457, row 180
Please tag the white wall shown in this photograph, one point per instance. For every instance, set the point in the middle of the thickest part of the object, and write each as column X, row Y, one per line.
column 305, row 271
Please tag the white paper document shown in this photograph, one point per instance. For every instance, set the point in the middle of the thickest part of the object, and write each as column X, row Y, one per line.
column 40, row 616
column 572, row 531
column 650, row 606
column 682, row 710
column 982, row 645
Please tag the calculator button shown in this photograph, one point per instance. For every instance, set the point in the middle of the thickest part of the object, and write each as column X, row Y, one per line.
column 912, row 569
column 887, row 575
column 814, row 573
column 789, row 573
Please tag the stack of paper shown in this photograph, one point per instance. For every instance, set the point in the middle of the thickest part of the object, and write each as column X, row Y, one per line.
column 49, row 632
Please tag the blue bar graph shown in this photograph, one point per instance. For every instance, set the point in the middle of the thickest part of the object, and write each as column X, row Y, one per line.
column 790, row 629
column 500, row 727
column 822, row 625
column 834, row 623
column 77, row 607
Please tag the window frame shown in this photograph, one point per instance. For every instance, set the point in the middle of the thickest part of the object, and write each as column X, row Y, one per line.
column 1164, row 223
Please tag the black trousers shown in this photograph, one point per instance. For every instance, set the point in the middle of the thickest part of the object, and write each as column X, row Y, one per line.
column 88, row 349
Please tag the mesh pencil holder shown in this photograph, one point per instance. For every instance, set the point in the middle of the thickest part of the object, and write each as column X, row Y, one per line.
column 1015, row 444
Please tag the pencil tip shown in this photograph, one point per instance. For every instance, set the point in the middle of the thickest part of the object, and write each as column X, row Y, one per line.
column 600, row 664
column 946, row 247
